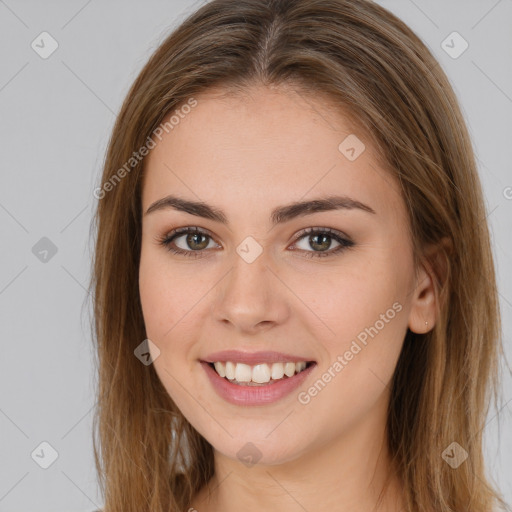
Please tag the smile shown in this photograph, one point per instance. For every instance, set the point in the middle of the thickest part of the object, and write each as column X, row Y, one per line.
column 259, row 374
column 255, row 378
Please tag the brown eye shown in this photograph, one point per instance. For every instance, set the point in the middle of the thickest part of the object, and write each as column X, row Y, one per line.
column 320, row 239
column 192, row 241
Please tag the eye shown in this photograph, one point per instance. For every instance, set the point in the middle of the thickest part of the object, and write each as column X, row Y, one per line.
column 321, row 239
column 195, row 240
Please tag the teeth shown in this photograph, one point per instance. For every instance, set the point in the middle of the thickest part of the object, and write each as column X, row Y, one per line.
column 260, row 373
column 221, row 369
column 230, row 370
column 243, row 373
column 289, row 369
column 277, row 371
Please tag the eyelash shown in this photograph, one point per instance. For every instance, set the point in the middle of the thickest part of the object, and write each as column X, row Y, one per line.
column 345, row 243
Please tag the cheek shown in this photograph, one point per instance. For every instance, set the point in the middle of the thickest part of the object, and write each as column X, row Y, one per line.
column 366, row 312
column 361, row 358
column 167, row 301
column 163, row 305
column 355, row 297
column 162, row 295
column 154, row 299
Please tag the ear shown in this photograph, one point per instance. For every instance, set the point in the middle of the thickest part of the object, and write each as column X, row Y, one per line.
column 433, row 269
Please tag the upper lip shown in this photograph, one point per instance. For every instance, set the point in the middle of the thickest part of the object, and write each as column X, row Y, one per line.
column 251, row 358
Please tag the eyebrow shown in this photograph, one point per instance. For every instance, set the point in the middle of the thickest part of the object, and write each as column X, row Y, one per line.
column 279, row 215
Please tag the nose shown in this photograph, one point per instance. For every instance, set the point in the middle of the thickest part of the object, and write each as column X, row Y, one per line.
column 251, row 298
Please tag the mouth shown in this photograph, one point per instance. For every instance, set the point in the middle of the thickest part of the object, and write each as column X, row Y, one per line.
column 262, row 374
column 256, row 378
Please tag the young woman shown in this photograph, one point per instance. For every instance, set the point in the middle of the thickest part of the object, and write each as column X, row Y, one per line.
column 295, row 299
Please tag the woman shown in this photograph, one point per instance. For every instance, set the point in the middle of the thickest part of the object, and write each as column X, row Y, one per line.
column 295, row 298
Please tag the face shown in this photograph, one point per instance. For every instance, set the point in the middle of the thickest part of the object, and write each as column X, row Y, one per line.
column 332, row 288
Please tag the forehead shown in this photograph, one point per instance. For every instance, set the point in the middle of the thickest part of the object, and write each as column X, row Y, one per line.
column 264, row 146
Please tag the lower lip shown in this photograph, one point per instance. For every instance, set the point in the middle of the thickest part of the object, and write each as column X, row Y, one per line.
column 255, row 395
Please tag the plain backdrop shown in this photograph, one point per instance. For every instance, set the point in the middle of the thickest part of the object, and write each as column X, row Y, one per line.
column 56, row 117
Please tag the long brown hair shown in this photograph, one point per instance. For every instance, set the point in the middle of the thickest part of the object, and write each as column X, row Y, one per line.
column 359, row 55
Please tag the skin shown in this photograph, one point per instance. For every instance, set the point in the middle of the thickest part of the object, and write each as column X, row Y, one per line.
column 247, row 155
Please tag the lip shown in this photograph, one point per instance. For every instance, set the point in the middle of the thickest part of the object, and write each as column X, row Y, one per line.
column 255, row 395
column 252, row 358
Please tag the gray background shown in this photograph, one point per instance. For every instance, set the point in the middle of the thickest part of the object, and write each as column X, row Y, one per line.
column 56, row 117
